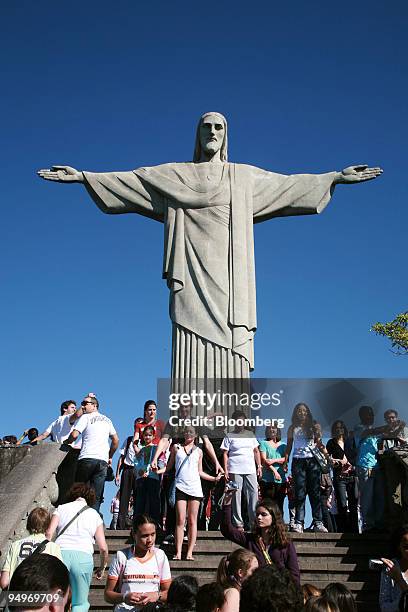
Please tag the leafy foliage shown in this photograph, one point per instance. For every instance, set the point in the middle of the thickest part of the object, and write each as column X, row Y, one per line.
column 396, row 331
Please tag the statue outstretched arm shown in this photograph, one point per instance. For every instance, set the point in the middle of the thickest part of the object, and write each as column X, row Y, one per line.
column 113, row 192
column 279, row 195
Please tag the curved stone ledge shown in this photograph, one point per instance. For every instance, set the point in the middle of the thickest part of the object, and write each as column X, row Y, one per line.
column 29, row 484
column 10, row 456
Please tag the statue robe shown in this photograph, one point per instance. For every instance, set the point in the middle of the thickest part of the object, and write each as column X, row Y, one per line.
column 209, row 250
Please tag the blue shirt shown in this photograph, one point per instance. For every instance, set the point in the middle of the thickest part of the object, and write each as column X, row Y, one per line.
column 367, row 448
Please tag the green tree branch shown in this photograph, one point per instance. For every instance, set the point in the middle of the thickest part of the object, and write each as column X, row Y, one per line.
column 396, row 331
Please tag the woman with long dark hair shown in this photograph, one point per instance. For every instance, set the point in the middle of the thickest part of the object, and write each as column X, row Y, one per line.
column 303, row 437
column 268, row 540
column 149, row 418
column 233, row 569
column 343, row 478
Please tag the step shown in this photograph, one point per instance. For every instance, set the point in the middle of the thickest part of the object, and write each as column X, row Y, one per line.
column 225, row 546
column 366, row 596
column 318, row 564
column 337, row 551
column 323, row 558
column 304, row 537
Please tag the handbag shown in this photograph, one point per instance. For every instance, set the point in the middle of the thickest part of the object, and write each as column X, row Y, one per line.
column 110, row 476
column 320, row 458
column 347, row 472
column 172, row 489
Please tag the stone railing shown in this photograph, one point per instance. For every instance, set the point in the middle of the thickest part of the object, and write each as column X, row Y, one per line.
column 10, row 456
column 30, row 482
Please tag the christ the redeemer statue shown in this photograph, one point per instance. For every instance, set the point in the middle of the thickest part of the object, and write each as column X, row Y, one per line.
column 208, row 208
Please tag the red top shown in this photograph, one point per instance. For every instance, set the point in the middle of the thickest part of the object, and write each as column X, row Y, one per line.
column 158, row 427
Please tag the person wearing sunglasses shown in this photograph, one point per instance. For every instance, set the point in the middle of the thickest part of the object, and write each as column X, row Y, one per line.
column 99, row 444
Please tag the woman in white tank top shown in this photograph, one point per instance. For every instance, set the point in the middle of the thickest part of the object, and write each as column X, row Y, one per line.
column 187, row 459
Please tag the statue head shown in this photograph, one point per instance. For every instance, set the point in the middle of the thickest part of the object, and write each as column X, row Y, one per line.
column 211, row 137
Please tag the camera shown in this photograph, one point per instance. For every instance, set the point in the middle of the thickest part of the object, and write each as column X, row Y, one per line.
column 231, row 486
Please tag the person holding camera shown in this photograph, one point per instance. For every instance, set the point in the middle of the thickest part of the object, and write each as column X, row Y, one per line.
column 268, row 539
column 394, row 576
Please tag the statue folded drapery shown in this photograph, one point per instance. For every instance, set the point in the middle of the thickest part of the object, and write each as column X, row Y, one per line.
column 209, row 250
column 208, row 208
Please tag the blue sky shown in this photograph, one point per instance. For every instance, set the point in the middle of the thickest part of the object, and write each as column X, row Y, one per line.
column 306, row 87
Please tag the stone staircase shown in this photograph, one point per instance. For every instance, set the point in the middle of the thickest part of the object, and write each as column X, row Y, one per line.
column 323, row 558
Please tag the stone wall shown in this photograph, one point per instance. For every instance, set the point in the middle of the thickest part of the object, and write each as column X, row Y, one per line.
column 10, row 456
column 30, row 483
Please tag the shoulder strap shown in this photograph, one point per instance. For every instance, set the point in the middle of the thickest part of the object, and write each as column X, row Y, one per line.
column 265, row 552
column 183, row 462
column 160, row 565
column 118, row 586
column 72, row 520
column 40, row 548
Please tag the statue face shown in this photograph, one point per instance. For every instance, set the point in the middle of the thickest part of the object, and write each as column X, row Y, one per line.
column 212, row 134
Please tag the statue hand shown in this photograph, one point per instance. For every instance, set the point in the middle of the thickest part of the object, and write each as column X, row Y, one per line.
column 356, row 174
column 62, row 174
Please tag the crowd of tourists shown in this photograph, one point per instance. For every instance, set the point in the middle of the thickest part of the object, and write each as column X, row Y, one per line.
column 174, row 480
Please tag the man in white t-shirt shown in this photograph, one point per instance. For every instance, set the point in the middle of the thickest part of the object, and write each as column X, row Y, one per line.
column 99, row 443
column 59, row 431
column 242, row 465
